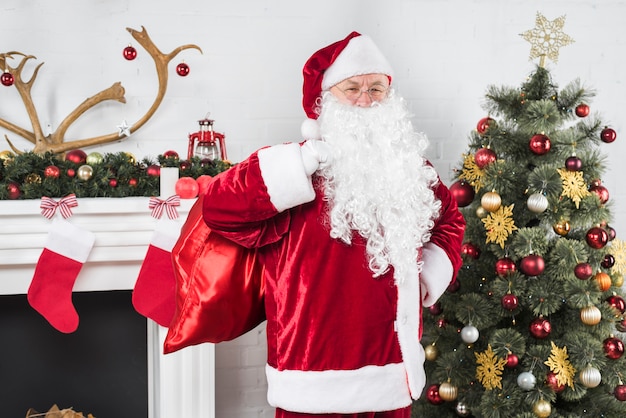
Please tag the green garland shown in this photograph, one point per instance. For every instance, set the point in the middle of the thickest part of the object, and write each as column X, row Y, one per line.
column 28, row 175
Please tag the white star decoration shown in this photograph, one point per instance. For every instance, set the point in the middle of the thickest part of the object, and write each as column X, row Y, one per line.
column 547, row 38
column 124, row 129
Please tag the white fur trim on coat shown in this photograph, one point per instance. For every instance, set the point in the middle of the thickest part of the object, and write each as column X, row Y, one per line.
column 370, row 388
column 436, row 273
column 283, row 173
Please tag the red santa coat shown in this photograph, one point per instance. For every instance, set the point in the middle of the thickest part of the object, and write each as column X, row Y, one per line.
column 339, row 340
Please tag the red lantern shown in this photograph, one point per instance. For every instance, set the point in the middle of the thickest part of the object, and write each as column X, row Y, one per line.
column 597, row 237
column 608, row 135
column 462, row 192
column 484, row 157
column 539, row 144
column 505, row 266
column 211, row 144
column 532, row 265
column 540, row 328
column 613, row 348
column 582, row 110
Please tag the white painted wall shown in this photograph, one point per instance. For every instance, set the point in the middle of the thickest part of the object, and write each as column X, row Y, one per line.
column 445, row 53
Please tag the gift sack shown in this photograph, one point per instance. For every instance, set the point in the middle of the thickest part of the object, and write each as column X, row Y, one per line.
column 219, row 287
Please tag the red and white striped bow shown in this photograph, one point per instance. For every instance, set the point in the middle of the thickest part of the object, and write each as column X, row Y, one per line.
column 49, row 206
column 169, row 205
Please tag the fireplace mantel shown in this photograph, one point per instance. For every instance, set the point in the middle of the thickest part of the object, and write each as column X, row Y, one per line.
column 182, row 383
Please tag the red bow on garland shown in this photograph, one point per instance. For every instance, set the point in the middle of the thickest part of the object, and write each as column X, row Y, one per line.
column 169, row 205
column 49, row 206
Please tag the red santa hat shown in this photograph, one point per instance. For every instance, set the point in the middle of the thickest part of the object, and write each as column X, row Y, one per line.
column 354, row 55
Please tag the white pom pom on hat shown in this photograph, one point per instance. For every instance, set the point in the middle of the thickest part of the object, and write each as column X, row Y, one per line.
column 354, row 55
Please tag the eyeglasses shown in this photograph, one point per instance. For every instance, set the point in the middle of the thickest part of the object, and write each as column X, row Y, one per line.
column 375, row 93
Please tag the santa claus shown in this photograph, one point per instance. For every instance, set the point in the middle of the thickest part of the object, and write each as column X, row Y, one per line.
column 355, row 232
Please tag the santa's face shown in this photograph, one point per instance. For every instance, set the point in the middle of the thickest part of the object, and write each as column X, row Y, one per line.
column 361, row 90
column 379, row 184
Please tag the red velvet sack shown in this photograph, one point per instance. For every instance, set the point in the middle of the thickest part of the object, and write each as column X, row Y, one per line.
column 219, row 287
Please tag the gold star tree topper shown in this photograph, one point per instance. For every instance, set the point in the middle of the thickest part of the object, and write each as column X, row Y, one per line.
column 546, row 38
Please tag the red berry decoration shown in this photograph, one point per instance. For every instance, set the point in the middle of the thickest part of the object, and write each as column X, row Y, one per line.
column 70, row 172
column 600, row 191
column 77, row 156
column 463, row 193
column 582, row 110
column 613, row 348
column 153, row 170
column 484, row 157
column 583, row 271
column 7, row 79
column 532, row 265
column 573, row 164
column 540, row 328
column 132, row 182
column 432, row 395
column 512, row 360
column 553, row 382
column 617, row 302
column 597, row 237
column 539, row 144
column 130, row 53
column 608, row 135
column 13, row 190
column 505, row 266
column 470, row 250
column 620, row 392
column 113, row 182
column 484, row 124
column 182, row 69
column 52, row 172
column 509, row 302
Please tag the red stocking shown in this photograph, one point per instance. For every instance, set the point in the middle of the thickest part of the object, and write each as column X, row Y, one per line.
column 155, row 290
column 50, row 293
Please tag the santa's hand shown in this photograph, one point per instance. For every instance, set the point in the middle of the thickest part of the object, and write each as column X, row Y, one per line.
column 316, row 154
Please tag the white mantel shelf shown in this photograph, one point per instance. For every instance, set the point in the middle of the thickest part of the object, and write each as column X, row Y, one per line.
column 181, row 384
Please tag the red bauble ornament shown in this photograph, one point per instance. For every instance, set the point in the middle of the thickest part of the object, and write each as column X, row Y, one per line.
column 52, row 172
column 70, row 172
column 182, row 69
column 505, row 266
column 484, row 157
column 620, row 392
column 582, row 110
column 153, row 170
column 608, row 261
column 553, row 382
column 540, row 328
column 612, row 233
column 608, row 135
column 435, row 309
column 187, row 188
column 613, row 348
column 617, row 302
column 484, row 124
column 113, row 182
column 509, row 302
column 573, row 163
column 462, row 192
column 512, row 360
column 602, row 193
column 583, row 271
column 597, row 237
column 170, row 155
column 470, row 250
column 13, row 190
column 132, row 182
column 454, row 286
column 7, row 79
column 130, row 53
column 77, row 156
column 432, row 395
column 184, row 165
column 532, row 265
column 539, row 144
column 203, row 183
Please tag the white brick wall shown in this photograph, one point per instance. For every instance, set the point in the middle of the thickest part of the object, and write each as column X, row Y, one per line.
column 445, row 53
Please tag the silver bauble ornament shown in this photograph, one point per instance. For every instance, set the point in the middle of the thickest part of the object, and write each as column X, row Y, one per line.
column 537, row 203
column 84, row 172
column 462, row 410
column 469, row 334
column 526, row 380
column 590, row 377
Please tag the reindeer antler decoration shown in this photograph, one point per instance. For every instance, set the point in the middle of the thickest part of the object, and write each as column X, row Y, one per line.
column 55, row 142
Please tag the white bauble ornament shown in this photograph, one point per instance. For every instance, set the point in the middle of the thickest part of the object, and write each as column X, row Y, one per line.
column 526, row 380
column 537, row 202
column 590, row 377
column 469, row 334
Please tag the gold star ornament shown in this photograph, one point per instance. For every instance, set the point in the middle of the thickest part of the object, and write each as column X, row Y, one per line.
column 546, row 38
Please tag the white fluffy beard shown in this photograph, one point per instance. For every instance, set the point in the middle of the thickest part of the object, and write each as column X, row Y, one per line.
column 378, row 184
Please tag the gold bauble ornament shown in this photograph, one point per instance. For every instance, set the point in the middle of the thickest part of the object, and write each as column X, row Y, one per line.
column 430, row 352
column 130, row 157
column 619, row 281
column 84, row 172
column 561, row 228
column 481, row 212
column 542, row 408
column 6, row 155
column 447, row 391
column 603, row 281
column 590, row 377
column 491, row 201
column 94, row 158
column 590, row 315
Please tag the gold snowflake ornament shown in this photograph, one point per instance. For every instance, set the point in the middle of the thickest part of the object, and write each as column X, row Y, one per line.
column 560, row 365
column 489, row 369
column 618, row 251
column 574, row 185
column 471, row 172
column 500, row 225
column 546, row 38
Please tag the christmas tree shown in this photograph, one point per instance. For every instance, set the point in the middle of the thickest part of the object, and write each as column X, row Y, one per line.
column 533, row 326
